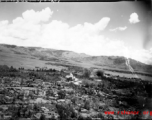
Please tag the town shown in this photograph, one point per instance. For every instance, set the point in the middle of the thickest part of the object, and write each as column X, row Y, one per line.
column 49, row 94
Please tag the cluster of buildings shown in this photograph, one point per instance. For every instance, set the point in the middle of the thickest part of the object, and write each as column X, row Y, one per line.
column 17, row 91
column 32, row 97
column 71, row 78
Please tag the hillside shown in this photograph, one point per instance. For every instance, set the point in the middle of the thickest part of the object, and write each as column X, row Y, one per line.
column 31, row 57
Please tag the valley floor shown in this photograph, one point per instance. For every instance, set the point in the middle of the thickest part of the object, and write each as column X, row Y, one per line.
column 61, row 95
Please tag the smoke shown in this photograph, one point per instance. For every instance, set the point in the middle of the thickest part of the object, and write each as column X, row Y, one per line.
column 130, row 68
column 128, row 62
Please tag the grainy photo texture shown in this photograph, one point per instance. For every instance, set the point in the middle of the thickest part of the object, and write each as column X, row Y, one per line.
column 75, row 60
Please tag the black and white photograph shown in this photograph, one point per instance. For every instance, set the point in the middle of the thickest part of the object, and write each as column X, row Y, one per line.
column 76, row 60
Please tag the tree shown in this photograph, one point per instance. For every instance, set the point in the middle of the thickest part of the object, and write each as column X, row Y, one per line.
column 66, row 111
column 86, row 73
column 36, row 107
column 73, row 100
column 4, row 68
column 42, row 117
column 87, row 105
column 61, row 94
column 100, row 73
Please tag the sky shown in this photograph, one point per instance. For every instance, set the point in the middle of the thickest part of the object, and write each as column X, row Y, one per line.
column 97, row 28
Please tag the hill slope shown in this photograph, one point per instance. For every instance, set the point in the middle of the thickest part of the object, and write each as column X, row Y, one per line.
column 31, row 57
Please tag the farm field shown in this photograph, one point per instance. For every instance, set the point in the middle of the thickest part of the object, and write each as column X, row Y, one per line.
column 129, row 75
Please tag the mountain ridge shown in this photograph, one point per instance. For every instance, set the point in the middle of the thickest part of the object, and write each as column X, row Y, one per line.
column 30, row 57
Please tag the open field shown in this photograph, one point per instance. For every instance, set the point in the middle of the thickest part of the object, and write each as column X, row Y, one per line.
column 131, row 75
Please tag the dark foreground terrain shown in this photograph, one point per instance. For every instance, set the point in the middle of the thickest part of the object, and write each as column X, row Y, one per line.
column 73, row 94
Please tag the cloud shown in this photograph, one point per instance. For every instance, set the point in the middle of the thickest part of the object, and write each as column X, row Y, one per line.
column 30, row 16
column 118, row 28
column 31, row 29
column 5, row 22
column 34, row 28
column 28, row 25
column 36, row 17
column 142, row 55
column 134, row 18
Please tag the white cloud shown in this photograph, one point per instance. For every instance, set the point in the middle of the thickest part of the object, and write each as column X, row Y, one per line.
column 122, row 28
column 5, row 22
column 31, row 29
column 118, row 28
column 134, row 18
column 142, row 55
column 36, row 17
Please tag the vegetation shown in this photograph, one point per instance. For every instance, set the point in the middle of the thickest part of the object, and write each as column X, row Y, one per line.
column 66, row 112
column 48, row 94
column 100, row 73
column 86, row 73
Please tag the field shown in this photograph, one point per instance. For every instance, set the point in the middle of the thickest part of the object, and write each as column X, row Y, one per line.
column 131, row 75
